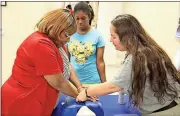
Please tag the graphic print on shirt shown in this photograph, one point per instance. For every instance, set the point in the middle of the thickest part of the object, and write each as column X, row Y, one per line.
column 81, row 50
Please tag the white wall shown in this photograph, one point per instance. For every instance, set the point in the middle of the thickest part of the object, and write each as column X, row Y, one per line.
column 106, row 12
column 160, row 19
column 18, row 21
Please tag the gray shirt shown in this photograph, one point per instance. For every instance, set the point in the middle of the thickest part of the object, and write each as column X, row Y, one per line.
column 150, row 102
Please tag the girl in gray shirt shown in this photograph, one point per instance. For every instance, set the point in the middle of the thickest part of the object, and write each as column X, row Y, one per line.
column 147, row 73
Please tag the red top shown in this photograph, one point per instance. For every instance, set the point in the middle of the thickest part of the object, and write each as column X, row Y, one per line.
column 26, row 92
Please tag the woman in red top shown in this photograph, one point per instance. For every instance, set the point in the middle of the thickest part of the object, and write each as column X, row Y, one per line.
column 41, row 69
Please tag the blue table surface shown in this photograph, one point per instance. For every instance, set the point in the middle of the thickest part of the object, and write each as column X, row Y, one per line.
column 109, row 103
column 112, row 107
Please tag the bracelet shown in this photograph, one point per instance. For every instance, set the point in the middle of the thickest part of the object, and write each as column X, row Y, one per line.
column 86, row 93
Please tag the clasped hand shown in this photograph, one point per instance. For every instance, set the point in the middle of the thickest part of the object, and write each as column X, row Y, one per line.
column 82, row 96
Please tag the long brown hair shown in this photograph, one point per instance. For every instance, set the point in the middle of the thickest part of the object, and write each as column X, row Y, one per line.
column 56, row 21
column 149, row 61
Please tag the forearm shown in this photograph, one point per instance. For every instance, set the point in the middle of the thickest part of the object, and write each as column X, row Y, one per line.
column 58, row 82
column 101, row 70
column 74, row 79
column 68, row 89
column 102, row 89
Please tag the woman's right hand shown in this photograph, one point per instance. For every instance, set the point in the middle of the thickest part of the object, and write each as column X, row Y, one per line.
column 93, row 98
column 81, row 97
column 81, row 88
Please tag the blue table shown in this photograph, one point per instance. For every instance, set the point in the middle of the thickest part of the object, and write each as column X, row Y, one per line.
column 112, row 108
column 109, row 104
